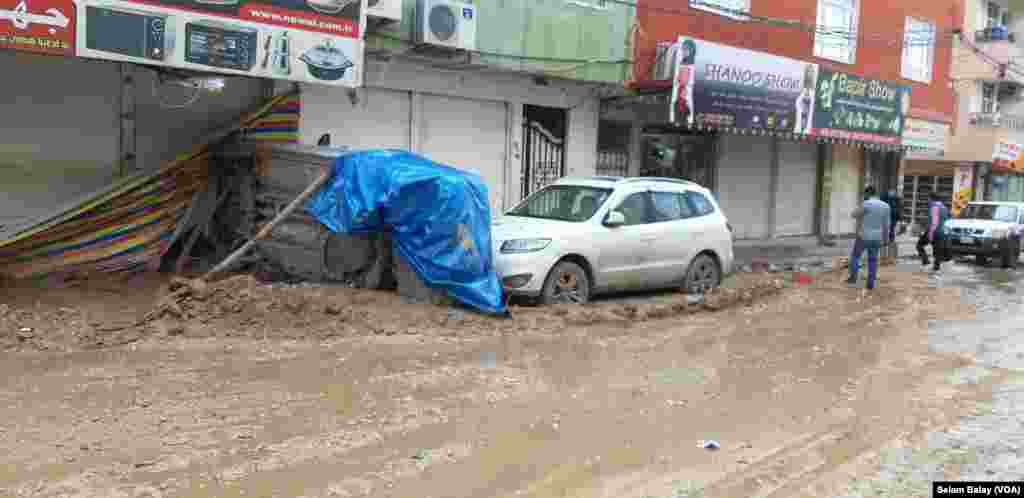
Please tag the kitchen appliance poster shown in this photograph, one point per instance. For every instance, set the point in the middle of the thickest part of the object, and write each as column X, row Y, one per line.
column 42, row 26
column 721, row 86
column 312, row 41
column 854, row 108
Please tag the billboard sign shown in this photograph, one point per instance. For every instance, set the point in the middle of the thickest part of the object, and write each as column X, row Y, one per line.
column 717, row 85
column 313, row 41
column 41, row 26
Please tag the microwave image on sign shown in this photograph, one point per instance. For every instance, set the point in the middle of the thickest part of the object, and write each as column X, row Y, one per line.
column 129, row 32
column 223, row 45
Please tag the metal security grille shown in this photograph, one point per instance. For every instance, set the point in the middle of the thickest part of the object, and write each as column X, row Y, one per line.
column 543, row 157
column 612, row 163
column 917, row 189
column 613, row 141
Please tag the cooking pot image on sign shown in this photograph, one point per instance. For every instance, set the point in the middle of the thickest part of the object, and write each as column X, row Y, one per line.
column 326, row 62
column 330, row 6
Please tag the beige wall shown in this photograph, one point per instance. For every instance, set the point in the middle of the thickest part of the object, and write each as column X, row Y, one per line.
column 847, row 170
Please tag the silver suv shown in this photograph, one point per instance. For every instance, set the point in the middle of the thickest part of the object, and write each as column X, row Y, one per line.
column 582, row 236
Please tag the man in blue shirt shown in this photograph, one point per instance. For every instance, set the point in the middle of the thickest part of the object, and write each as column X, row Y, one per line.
column 873, row 219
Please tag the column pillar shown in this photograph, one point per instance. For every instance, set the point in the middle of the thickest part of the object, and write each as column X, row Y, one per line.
column 636, row 147
column 773, row 192
column 824, row 198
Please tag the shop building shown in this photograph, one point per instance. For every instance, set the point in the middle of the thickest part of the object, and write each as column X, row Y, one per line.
column 989, row 131
column 505, row 91
column 780, row 169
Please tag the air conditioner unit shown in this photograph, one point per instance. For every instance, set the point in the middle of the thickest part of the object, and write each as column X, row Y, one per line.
column 387, row 10
column 446, row 23
column 664, row 62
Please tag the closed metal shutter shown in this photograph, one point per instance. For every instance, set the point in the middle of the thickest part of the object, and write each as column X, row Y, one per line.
column 798, row 178
column 744, row 184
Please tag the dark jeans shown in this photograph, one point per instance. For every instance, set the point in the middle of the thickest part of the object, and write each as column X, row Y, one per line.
column 938, row 250
column 872, row 247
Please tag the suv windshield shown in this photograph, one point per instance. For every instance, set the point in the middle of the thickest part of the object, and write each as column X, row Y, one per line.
column 563, row 202
column 990, row 212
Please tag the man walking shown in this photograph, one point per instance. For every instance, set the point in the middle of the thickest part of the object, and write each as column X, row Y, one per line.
column 873, row 220
column 933, row 234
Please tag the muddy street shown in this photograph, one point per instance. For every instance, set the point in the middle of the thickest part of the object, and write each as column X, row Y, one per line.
column 251, row 390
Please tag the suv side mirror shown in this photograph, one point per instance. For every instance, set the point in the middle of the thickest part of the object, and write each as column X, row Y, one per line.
column 615, row 219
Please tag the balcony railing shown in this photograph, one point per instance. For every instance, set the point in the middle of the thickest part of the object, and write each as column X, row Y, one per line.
column 994, row 34
column 996, row 120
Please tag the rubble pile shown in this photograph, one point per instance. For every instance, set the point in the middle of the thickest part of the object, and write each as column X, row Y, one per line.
column 727, row 297
column 99, row 314
column 198, row 300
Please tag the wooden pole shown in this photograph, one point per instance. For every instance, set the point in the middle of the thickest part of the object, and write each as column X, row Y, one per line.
column 325, row 175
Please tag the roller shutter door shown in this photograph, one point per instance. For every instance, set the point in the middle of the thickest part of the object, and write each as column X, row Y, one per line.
column 744, row 184
column 378, row 119
column 470, row 135
column 798, row 176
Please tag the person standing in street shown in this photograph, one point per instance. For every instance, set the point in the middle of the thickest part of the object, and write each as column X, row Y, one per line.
column 873, row 220
column 895, row 217
column 933, row 235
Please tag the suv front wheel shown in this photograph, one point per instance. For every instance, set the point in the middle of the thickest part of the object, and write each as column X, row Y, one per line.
column 566, row 284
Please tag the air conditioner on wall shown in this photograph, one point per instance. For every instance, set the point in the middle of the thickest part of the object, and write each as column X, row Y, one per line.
column 386, row 10
column 446, row 23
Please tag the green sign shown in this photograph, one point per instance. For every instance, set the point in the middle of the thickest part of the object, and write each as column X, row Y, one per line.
column 854, row 108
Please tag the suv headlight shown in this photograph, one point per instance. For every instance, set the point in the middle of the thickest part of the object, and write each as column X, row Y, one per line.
column 524, row 245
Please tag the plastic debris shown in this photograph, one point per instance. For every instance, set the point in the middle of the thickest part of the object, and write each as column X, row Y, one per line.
column 709, row 444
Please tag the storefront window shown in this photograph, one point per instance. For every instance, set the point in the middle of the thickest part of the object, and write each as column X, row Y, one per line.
column 689, row 157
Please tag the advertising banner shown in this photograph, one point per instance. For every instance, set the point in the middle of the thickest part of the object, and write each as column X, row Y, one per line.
column 1006, row 151
column 926, row 139
column 850, row 107
column 314, row 41
column 41, row 26
column 721, row 86
column 963, row 187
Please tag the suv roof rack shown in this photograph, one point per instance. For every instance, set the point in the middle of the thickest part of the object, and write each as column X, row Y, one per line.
column 658, row 179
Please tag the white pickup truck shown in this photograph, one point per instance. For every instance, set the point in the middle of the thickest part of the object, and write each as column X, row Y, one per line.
column 988, row 230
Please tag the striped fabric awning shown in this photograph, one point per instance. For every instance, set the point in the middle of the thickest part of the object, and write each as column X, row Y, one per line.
column 129, row 225
column 279, row 125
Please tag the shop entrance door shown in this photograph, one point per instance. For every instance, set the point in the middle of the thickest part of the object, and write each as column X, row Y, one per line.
column 677, row 155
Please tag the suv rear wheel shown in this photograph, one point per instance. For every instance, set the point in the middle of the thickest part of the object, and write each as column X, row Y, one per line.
column 702, row 275
column 567, row 283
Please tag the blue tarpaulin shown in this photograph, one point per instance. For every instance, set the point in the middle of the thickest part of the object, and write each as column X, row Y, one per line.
column 439, row 218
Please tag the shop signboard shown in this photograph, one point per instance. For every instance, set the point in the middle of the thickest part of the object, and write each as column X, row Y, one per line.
column 313, row 41
column 41, row 26
column 1006, row 151
column 926, row 139
column 1009, row 156
column 720, row 86
column 850, row 107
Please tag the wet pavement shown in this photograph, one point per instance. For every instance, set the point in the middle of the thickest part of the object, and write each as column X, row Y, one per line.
column 988, row 444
